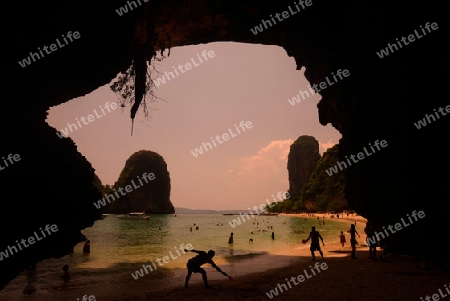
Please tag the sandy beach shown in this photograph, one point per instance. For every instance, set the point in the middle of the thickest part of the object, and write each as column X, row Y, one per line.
column 344, row 279
column 361, row 279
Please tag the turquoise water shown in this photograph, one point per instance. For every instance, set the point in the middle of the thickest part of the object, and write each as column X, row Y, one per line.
column 119, row 247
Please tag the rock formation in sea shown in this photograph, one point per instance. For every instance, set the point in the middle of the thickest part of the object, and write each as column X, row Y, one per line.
column 149, row 195
column 302, row 159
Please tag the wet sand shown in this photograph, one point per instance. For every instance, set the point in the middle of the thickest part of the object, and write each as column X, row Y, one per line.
column 360, row 279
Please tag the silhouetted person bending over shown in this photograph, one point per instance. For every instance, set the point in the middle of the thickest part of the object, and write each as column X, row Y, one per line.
column 194, row 264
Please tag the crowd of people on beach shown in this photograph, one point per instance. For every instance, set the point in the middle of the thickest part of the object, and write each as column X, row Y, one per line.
column 369, row 230
column 330, row 214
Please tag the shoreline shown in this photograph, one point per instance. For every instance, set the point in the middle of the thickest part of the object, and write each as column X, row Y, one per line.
column 353, row 218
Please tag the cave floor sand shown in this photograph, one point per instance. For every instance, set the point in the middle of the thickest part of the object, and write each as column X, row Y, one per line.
column 360, row 279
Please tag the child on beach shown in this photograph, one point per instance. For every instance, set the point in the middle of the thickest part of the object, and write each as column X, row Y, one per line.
column 194, row 264
column 353, row 241
column 342, row 238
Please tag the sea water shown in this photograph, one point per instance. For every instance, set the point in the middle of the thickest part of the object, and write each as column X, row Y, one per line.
column 120, row 247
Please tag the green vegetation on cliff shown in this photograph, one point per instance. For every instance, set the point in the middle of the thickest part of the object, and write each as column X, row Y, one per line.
column 321, row 192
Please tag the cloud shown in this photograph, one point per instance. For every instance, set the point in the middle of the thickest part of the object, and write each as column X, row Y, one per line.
column 257, row 177
column 269, row 163
column 324, row 146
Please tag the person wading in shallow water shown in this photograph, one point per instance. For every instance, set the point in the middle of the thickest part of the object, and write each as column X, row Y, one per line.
column 230, row 239
column 194, row 264
column 87, row 247
column 66, row 275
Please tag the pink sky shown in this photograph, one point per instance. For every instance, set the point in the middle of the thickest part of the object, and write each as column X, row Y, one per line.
column 242, row 82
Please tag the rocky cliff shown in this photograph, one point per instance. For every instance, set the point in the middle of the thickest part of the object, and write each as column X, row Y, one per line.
column 145, row 173
column 381, row 99
column 302, row 159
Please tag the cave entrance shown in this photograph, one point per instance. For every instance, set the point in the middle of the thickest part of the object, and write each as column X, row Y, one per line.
column 247, row 92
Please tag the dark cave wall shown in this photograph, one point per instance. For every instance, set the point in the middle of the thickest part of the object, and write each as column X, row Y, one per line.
column 52, row 183
column 382, row 99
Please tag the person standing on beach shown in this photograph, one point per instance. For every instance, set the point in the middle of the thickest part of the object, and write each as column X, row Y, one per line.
column 353, row 241
column 383, row 244
column 370, row 231
column 194, row 264
column 315, row 245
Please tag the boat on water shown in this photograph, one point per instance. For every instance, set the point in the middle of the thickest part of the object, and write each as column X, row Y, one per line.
column 134, row 215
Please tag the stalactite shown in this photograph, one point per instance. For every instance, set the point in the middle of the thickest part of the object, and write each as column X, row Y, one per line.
column 143, row 51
